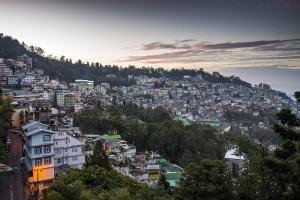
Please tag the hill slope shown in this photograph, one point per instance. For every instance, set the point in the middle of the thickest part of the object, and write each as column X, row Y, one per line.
column 65, row 69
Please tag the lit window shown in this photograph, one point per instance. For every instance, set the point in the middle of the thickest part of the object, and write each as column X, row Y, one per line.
column 46, row 138
column 47, row 149
column 47, row 160
column 38, row 150
column 38, row 162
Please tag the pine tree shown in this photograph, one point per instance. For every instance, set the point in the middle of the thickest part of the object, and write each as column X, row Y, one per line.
column 285, row 163
column 99, row 157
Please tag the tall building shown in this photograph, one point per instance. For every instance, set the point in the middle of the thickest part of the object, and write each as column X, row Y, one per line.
column 69, row 151
column 39, row 155
column 49, row 152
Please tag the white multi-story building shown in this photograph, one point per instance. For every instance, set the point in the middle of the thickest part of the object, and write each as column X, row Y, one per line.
column 39, row 155
column 46, row 95
column 28, row 79
column 47, row 151
column 60, row 99
column 69, row 151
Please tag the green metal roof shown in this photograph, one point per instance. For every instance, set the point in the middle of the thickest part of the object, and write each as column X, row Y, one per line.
column 184, row 120
column 162, row 161
column 111, row 137
column 75, row 128
column 172, row 183
column 173, row 168
column 211, row 123
column 173, row 176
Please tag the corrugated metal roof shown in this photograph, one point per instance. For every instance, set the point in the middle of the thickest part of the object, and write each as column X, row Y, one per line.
column 111, row 137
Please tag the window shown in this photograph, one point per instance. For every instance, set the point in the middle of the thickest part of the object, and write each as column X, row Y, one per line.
column 47, row 149
column 38, row 162
column 47, row 160
column 58, row 151
column 60, row 134
column 46, row 138
column 74, row 149
column 74, row 158
column 58, row 161
column 66, row 150
column 38, row 150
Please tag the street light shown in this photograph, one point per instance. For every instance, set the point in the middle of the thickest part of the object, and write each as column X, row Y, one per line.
column 37, row 180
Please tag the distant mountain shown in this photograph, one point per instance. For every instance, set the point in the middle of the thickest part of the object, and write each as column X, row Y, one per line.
column 65, row 69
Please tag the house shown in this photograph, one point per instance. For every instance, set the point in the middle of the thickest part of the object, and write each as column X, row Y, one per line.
column 39, row 155
column 49, row 152
column 234, row 162
column 174, row 179
column 68, row 150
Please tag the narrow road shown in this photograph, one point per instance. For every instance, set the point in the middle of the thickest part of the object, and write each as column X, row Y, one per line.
column 12, row 188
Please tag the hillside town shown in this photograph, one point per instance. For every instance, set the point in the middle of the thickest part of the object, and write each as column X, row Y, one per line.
column 52, row 144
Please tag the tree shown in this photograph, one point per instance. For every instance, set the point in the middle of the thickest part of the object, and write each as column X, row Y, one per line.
column 62, row 58
column 53, row 195
column 5, row 115
column 89, row 120
column 39, row 51
column 274, row 175
column 99, row 157
column 285, row 163
column 207, row 180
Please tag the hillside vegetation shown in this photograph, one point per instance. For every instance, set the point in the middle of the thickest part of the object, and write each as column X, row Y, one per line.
column 65, row 69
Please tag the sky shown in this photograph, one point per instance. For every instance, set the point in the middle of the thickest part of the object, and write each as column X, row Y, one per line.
column 257, row 40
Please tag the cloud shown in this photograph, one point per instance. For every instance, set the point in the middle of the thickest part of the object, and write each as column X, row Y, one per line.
column 187, row 52
column 178, row 44
column 182, row 44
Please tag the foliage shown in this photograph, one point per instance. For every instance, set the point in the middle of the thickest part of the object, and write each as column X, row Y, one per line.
column 284, row 164
column 88, row 120
column 155, row 130
column 5, row 115
column 207, row 180
column 274, row 175
column 64, row 69
column 99, row 183
column 99, row 157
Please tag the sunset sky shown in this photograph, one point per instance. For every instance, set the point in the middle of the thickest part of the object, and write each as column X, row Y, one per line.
column 253, row 39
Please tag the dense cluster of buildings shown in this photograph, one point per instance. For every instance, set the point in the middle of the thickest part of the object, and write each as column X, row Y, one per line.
column 51, row 149
column 52, row 145
column 192, row 99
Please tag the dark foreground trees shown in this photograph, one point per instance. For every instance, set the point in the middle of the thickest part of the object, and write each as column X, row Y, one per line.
column 207, row 180
column 100, row 184
column 274, row 175
column 5, row 116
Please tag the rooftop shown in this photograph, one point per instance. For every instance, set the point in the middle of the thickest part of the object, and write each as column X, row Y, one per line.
column 111, row 137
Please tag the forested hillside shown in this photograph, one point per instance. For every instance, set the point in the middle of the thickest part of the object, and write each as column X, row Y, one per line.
column 65, row 69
